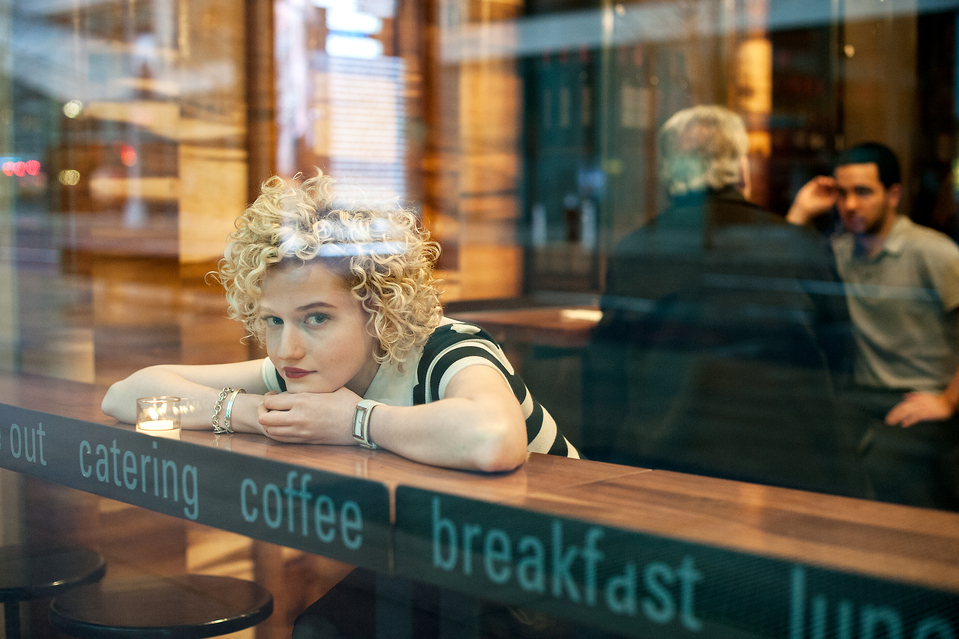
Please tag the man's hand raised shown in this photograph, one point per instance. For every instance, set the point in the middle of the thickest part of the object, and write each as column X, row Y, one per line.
column 815, row 198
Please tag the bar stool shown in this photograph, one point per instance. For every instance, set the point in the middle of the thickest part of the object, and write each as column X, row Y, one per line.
column 35, row 573
column 184, row 607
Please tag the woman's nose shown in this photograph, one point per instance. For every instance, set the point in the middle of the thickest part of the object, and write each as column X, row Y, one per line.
column 290, row 346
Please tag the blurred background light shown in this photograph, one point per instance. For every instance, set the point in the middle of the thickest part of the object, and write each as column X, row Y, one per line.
column 353, row 47
column 128, row 155
column 69, row 177
column 353, row 22
column 72, row 108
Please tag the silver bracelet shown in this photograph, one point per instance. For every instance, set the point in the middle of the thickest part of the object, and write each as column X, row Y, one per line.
column 216, row 413
column 229, row 410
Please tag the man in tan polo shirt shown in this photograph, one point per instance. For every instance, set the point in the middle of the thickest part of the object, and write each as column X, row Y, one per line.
column 902, row 289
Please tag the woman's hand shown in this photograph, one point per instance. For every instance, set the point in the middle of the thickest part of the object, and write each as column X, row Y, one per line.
column 309, row 418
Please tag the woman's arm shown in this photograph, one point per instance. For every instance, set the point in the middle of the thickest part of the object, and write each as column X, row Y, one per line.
column 479, row 425
column 198, row 387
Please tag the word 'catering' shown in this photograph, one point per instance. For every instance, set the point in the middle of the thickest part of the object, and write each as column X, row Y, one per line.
column 126, row 469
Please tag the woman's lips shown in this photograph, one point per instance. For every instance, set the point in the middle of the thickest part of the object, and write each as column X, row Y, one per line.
column 295, row 373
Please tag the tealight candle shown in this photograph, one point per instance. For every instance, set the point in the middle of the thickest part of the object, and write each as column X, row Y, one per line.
column 158, row 416
column 157, row 424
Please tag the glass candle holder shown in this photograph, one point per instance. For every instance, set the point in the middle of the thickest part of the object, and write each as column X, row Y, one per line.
column 159, row 416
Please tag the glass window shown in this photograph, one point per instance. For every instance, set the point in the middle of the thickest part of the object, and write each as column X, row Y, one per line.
column 713, row 236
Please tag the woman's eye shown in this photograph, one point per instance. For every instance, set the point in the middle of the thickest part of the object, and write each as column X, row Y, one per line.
column 272, row 321
column 316, row 318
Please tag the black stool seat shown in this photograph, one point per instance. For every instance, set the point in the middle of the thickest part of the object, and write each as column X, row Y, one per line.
column 184, row 606
column 35, row 573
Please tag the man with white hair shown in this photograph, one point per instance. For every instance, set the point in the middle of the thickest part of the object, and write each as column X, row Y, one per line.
column 706, row 359
column 704, row 149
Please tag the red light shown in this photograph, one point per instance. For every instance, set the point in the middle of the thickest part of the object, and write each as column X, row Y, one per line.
column 20, row 168
column 128, row 155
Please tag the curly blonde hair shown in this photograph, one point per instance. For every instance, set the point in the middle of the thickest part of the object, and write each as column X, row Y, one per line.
column 384, row 257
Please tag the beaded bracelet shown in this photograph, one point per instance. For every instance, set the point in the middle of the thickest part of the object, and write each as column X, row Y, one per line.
column 216, row 412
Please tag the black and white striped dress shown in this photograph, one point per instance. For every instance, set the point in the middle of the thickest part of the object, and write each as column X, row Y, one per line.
column 454, row 346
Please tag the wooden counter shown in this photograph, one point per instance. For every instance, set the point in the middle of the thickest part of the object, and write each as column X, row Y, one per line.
column 619, row 547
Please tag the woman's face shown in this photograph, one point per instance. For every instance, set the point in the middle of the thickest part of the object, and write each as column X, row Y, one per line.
column 316, row 331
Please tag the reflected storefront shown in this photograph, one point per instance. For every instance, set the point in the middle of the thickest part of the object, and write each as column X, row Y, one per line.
column 526, row 135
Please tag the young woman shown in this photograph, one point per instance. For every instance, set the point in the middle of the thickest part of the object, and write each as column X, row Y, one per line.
column 359, row 351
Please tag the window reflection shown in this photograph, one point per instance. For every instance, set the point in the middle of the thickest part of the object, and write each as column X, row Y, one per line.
column 525, row 133
column 659, row 329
